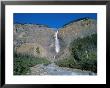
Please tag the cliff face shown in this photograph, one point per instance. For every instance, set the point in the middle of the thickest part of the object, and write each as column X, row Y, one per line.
column 39, row 39
column 80, row 28
column 34, row 39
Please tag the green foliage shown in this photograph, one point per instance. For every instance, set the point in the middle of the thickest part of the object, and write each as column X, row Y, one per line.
column 89, row 63
column 37, row 50
column 67, row 62
column 83, row 54
column 84, row 50
column 80, row 46
column 23, row 62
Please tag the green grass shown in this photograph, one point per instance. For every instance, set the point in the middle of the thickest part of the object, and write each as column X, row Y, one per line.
column 83, row 54
column 23, row 62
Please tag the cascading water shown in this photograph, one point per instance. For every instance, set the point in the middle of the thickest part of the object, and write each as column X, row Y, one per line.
column 57, row 46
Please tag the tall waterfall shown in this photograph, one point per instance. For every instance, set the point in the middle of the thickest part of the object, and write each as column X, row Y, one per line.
column 57, row 46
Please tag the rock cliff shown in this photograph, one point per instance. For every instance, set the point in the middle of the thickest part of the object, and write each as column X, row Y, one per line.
column 39, row 39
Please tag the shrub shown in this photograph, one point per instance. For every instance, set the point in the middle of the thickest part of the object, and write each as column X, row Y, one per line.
column 23, row 62
column 67, row 62
column 37, row 50
column 89, row 63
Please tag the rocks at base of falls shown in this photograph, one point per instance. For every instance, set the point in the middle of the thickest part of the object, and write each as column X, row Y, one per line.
column 53, row 69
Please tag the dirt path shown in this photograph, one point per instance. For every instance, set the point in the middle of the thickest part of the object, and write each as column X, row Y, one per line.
column 53, row 69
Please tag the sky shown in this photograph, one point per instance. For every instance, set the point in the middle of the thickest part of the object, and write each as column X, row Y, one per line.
column 54, row 20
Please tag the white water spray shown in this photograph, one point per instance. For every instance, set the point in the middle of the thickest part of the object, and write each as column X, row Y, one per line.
column 57, row 46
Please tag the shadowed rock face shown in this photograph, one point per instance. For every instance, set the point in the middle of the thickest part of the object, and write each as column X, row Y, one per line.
column 39, row 40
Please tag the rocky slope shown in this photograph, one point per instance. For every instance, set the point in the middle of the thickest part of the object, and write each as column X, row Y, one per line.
column 34, row 39
column 39, row 39
column 79, row 28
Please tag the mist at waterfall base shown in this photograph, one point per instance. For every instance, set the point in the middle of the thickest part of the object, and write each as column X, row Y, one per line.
column 57, row 45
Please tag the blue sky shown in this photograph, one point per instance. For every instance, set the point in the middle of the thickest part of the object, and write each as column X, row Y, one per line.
column 54, row 20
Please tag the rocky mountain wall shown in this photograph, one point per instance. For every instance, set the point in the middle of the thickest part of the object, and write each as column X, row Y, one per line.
column 39, row 40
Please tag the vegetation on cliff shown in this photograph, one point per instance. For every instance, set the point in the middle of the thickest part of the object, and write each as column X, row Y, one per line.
column 83, row 54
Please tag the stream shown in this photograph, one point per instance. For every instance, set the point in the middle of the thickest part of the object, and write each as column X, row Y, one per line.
column 53, row 69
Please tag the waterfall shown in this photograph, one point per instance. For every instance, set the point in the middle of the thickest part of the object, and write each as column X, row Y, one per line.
column 57, row 46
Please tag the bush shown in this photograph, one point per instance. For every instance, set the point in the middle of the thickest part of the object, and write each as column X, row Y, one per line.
column 37, row 50
column 67, row 62
column 23, row 62
column 89, row 63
